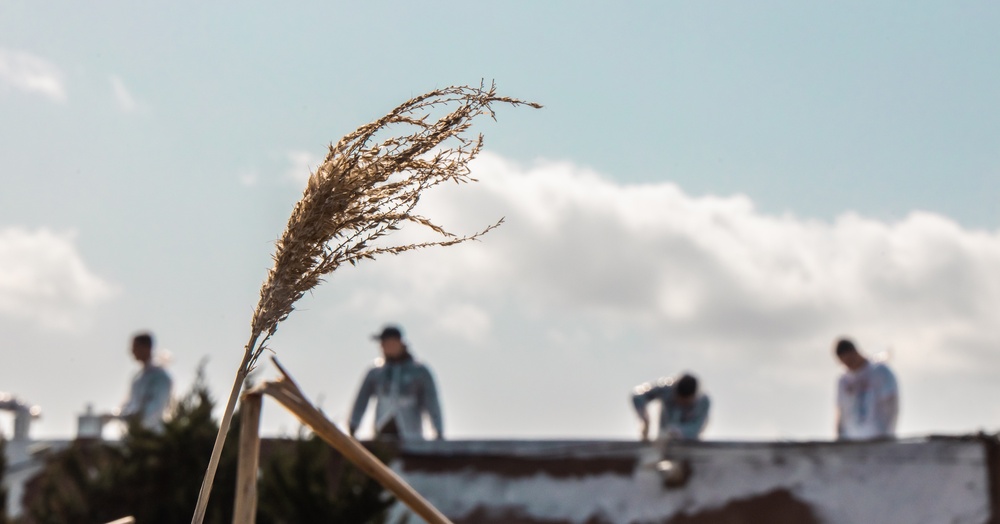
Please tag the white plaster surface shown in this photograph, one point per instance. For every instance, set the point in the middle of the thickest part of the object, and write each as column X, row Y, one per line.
column 914, row 482
column 25, row 460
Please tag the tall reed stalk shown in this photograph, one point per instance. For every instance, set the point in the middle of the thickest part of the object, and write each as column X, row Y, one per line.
column 366, row 188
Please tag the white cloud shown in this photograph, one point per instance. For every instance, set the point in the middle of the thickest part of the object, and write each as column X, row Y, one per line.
column 125, row 99
column 32, row 74
column 697, row 266
column 751, row 300
column 44, row 280
column 249, row 178
column 302, row 164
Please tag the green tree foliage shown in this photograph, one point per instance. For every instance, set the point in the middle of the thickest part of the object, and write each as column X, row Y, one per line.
column 156, row 477
column 306, row 481
column 153, row 477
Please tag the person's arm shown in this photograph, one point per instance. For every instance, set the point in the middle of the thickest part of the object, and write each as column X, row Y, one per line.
column 887, row 403
column 431, row 403
column 361, row 401
column 642, row 395
column 888, row 411
column 130, row 406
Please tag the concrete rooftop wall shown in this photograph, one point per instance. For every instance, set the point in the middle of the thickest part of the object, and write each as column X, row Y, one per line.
column 932, row 481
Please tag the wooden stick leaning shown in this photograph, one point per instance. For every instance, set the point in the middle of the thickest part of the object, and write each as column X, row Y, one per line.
column 245, row 507
column 367, row 187
column 285, row 391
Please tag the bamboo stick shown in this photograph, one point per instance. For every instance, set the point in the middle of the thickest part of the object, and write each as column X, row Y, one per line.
column 285, row 391
column 245, row 507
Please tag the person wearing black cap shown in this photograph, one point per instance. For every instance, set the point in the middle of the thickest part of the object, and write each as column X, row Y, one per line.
column 404, row 390
column 683, row 409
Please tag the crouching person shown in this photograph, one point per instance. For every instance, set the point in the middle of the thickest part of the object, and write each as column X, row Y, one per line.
column 683, row 408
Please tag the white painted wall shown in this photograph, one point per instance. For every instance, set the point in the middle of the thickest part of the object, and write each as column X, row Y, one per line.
column 907, row 482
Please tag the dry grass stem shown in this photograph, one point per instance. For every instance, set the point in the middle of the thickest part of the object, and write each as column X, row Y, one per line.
column 366, row 188
column 363, row 191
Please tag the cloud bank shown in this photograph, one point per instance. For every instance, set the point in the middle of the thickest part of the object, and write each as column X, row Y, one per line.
column 44, row 280
column 613, row 272
column 31, row 74
column 705, row 268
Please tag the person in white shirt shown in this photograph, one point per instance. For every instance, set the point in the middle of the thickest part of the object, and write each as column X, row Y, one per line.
column 149, row 395
column 867, row 396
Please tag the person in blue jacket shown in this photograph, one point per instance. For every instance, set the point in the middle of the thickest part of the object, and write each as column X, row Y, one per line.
column 683, row 408
column 404, row 392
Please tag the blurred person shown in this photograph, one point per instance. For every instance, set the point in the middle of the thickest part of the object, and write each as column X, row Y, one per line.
column 867, row 396
column 683, row 408
column 149, row 394
column 404, row 391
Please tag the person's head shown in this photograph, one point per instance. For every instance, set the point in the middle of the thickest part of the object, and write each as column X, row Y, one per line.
column 848, row 354
column 686, row 388
column 391, row 340
column 142, row 347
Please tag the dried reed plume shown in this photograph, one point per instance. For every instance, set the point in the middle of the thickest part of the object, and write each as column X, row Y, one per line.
column 365, row 189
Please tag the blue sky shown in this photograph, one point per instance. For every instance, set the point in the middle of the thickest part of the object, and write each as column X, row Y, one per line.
column 721, row 187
